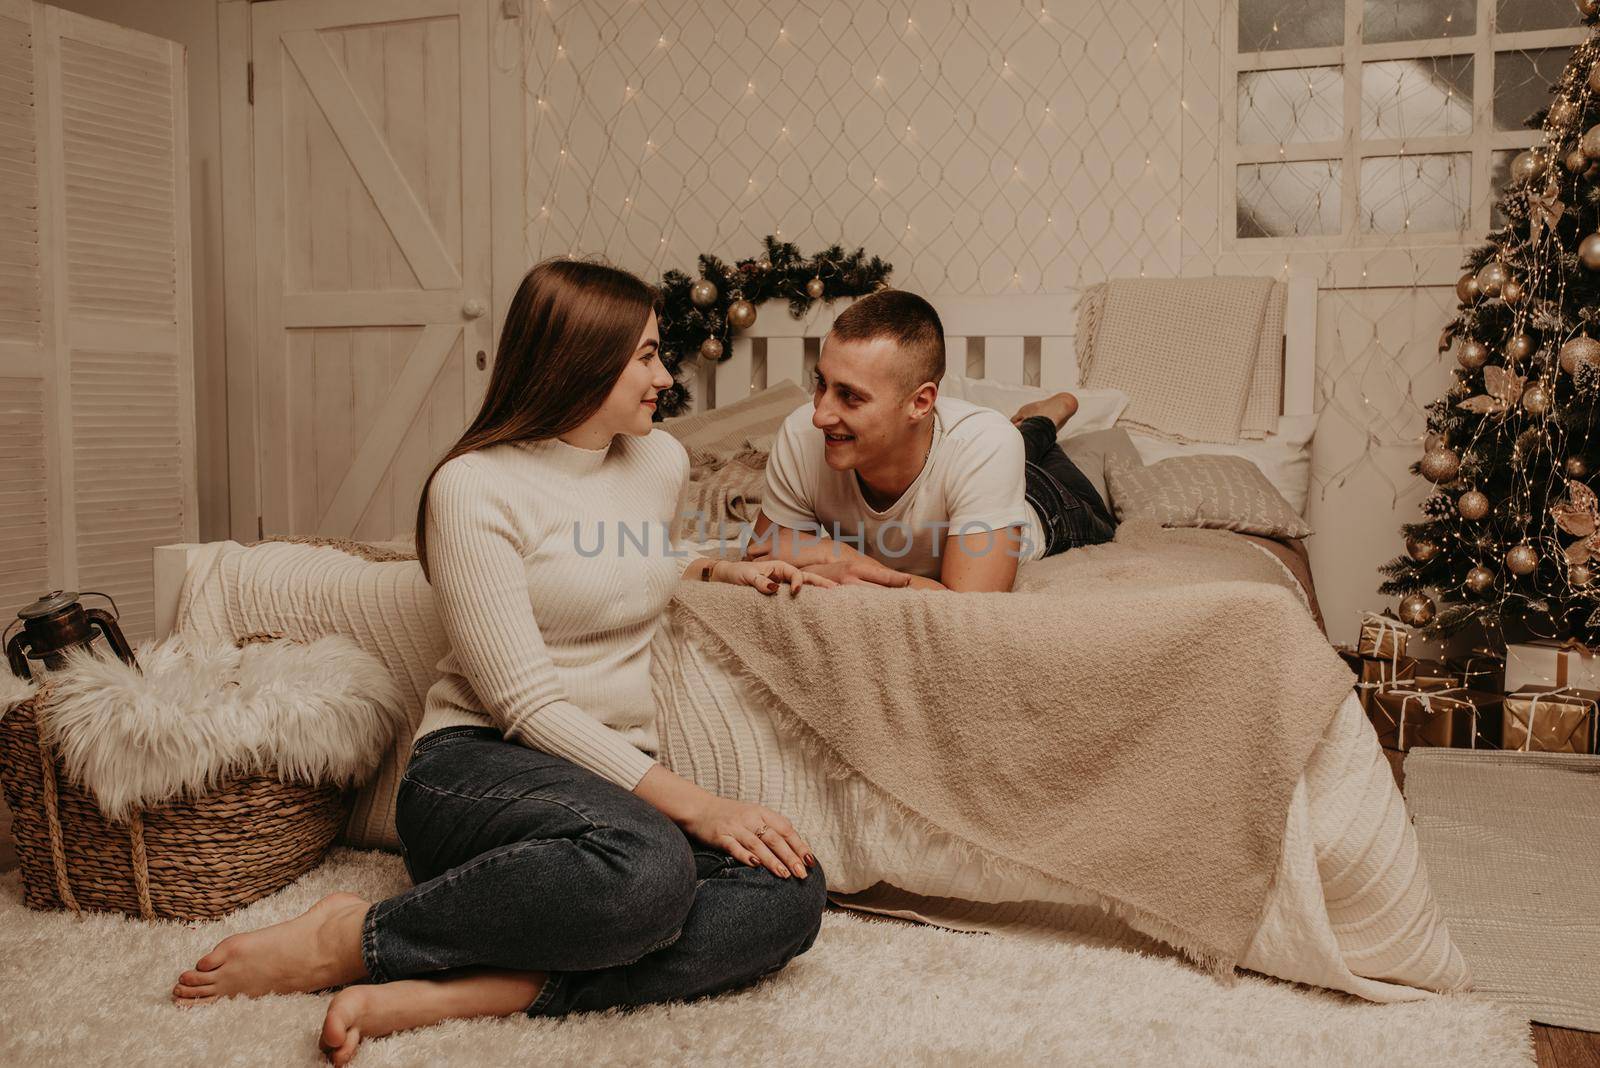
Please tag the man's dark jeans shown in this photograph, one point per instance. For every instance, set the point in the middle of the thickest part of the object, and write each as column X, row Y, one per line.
column 525, row 861
column 1072, row 512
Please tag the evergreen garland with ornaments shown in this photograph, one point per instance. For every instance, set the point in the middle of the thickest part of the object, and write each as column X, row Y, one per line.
column 1510, row 537
column 699, row 316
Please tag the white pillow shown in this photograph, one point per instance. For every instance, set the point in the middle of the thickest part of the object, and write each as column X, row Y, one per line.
column 1098, row 409
column 1284, row 457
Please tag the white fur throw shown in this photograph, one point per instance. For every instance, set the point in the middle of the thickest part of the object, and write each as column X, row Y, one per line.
column 202, row 712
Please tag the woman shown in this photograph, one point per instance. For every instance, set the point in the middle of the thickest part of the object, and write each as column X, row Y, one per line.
column 557, row 867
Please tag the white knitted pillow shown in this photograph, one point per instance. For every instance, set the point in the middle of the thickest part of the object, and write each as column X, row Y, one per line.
column 1222, row 492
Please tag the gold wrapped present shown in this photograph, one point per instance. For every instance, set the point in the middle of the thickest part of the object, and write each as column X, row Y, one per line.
column 1551, row 719
column 1478, row 670
column 1408, row 717
column 1376, row 676
column 1382, row 636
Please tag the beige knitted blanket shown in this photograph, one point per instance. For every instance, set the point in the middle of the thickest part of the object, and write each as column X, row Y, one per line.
column 1131, row 723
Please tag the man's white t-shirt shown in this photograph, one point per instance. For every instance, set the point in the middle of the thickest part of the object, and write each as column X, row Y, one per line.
column 971, row 482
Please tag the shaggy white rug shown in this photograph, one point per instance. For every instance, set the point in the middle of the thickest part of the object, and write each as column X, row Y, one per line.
column 94, row 991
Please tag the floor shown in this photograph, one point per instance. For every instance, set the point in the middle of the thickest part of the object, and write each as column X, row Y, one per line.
column 1556, row 1047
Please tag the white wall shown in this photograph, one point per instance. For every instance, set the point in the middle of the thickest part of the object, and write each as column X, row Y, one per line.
column 673, row 121
column 193, row 23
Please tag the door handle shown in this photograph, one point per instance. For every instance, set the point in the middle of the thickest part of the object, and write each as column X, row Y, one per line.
column 474, row 309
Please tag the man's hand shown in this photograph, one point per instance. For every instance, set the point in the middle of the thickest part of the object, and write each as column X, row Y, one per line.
column 859, row 571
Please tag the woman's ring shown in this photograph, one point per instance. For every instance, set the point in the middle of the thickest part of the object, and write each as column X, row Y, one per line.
column 761, row 830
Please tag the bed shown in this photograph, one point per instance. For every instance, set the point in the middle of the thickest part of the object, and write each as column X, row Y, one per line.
column 1349, row 907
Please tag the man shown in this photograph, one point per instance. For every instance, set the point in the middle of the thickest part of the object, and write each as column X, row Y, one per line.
column 883, row 481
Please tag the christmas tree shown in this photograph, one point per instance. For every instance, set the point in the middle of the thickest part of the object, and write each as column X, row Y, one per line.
column 1510, row 536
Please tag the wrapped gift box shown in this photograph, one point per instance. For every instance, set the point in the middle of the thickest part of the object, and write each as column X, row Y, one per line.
column 1382, row 637
column 1479, row 670
column 1549, row 719
column 1547, row 662
column 1411, row 717
column 1376, row 676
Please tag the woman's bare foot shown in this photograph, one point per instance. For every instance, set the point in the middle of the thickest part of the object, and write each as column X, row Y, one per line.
column 318, row 949
column 375, row 1010
column 1058, row 409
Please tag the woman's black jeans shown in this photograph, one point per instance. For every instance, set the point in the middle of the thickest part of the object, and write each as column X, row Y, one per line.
column 1068, row 506
column 525, row 861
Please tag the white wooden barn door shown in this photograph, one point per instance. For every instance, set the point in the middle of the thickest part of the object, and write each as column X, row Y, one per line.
column 371, row 143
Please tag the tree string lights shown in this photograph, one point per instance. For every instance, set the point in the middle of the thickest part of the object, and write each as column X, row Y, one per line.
column 1508, row 535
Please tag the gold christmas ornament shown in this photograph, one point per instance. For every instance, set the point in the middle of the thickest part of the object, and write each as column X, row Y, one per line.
column 1589, row 143
column 1479, row 579
column 703, row 294
column 1564, row 112
column 1576, row 160
column 1472, row 505
column 1416, row 609
column 1521, row 559
column 1421, row 549
column 1472, row 354
column 1578, row 350
column 764, row 263
column 711, row 349
column 1536, row 400
column 742, row 314
column 1526, row 166
column 1511, row 292
column 1587, row 8
column 1440, row 465
column 1594, row 72
column 1589, row 252
column 1580, row 574
column 1467, row 288
column 1491, row 276
column 815, row 289
column 1519, row 347
column 1577, row 467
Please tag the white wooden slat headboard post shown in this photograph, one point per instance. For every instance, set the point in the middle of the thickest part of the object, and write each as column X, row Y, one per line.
column 1019, row 339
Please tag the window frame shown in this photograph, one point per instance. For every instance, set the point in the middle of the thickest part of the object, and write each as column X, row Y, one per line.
column 1350, row 149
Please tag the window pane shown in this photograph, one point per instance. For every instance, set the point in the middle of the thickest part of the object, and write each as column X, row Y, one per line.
column 1417, row 97
column 1417, row 20
column 1499, row 175
column 1288, row 199
column 1522, row 83
column 1278, row 106
column 1514, row 15
column 1416, row 194
column 1270, row 25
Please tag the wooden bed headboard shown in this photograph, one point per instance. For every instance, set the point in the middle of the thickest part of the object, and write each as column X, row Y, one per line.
column 1021, row 339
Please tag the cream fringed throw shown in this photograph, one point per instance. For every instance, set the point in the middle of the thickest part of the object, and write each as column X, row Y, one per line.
column 1132, row 723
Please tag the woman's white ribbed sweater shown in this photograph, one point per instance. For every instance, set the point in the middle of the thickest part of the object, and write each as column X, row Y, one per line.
column 551, row 566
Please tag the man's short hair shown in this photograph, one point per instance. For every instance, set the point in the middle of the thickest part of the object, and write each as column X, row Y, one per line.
column 909, row 321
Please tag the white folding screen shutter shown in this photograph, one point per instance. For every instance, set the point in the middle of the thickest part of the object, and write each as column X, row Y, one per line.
column 24, row 521
column 97, row 449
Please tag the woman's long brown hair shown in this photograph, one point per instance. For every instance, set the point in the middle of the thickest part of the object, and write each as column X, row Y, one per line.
column 571, row 329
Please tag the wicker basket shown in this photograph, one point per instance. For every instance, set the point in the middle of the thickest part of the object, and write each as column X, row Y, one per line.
column 187, row 859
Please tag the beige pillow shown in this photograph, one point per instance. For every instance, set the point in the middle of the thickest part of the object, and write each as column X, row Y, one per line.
column 1222, row 492
column 724, row 432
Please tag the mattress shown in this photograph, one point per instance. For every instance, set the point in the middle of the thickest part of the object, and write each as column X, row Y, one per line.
column 1350, row 908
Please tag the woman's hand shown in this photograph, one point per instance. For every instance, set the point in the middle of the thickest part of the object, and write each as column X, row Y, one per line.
column 752, row 834
column 767, row 575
